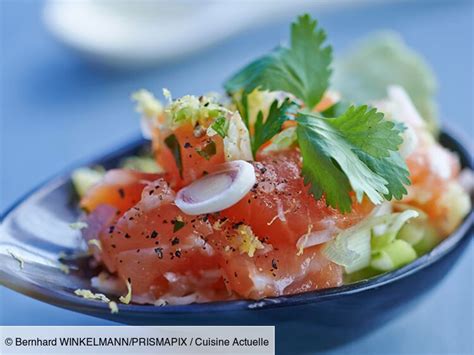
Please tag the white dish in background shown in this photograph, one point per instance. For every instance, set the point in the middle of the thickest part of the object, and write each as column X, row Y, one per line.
column 125, row 33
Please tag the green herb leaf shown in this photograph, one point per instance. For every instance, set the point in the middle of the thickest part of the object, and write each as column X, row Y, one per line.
column 177, row 225
column 208, row 151
column 264, row 131
column 302, row 70
column 172, row 143
column 336, row 158
column 220, row 125
column 393, row 169
column 367, row 130
column 319, row 170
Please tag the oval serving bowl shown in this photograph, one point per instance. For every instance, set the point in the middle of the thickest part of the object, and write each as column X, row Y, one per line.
column 35, row 230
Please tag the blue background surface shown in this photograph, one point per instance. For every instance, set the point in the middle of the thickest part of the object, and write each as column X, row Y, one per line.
column 56, row 109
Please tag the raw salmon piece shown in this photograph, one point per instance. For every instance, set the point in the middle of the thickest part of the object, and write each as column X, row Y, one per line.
column 154, row 243
column 434, row 172
column 273, row 271
column 166, row 254
column 98, row 222
column 198, row 153
column 119, row 188
column 280, row 208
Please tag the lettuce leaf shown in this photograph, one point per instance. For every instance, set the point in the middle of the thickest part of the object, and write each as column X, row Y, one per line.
column 383, row 59
column 355, row 247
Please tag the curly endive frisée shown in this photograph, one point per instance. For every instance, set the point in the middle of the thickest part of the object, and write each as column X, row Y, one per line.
column 285, row 185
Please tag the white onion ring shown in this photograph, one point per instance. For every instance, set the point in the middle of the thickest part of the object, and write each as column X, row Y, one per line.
column 217, row 191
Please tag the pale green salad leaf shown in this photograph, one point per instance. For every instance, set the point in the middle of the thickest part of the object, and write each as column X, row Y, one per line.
column 393, row 256
column 146, row 164
column 383, row 59
column 385, row 233
column 374, row 238
column 84, row 178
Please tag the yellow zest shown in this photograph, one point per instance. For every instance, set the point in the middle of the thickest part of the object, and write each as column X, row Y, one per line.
column 128, row 297
column 147, row 104
column 113, row 307
column 89, row 295
column 301, row 249
column 248, row 242
column 96, row 243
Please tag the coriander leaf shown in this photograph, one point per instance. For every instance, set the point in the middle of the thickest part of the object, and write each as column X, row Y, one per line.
column 177, row 225
column 320, row 171
column 172, row 143
column 243, row 107
column 220, row 125
column 208, row 151
column 367, row 130
column 328, row 156
column 277, row 115
column 336, row 158
column 302, row 69
column 393, row 169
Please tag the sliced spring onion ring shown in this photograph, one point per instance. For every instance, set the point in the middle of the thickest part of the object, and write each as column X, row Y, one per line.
column 217, row 191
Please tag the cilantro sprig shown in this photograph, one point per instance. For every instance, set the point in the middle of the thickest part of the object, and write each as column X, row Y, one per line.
column 302, row 69
column 221, row 125
column 337, row 159
column 355, row 151
column 277, row 115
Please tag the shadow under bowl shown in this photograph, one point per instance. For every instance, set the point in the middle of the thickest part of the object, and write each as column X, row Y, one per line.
column 36, row 229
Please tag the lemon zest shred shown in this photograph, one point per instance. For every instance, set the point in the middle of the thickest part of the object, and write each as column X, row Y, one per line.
column 89, row 295
column 64, row 268
column 167, row 95
column 277, row 216
column 301, row 248
column 113, row 307
column 78, row 225
column 147, row 104
column 249, row 243
column 218, row 224
column 96, row 243
column 128, row 297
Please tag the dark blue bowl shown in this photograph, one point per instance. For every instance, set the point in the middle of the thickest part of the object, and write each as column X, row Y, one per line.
column 36, row 229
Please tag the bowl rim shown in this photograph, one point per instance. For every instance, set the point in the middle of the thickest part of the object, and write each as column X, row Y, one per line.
column 464, row 230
